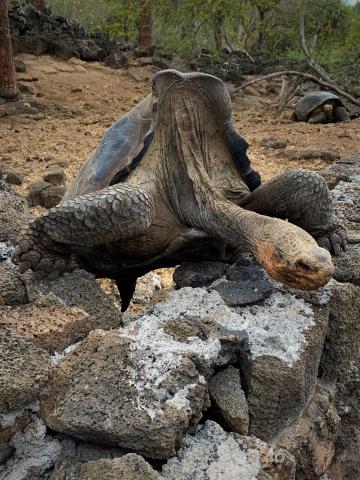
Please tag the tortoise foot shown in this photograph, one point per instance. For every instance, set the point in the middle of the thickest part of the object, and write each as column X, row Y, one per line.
column 35, row 251
column 335, row 241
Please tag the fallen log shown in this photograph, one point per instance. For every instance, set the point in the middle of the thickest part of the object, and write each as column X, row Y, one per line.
column 307, row 76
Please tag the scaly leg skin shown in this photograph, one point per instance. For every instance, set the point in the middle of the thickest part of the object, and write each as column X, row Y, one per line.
column 342, row 115
column 321, row 118
column 112, row 214
column 302, row 198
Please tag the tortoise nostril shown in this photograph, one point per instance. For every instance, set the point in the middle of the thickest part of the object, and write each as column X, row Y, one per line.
column 303, row 265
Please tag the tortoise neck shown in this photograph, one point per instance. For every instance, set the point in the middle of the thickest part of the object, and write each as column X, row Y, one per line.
column 183, row 135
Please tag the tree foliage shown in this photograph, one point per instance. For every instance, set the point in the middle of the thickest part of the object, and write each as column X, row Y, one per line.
column 269, row 27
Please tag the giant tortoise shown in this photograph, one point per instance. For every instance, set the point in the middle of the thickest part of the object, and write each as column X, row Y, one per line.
column 320, row 107
column 169, row 183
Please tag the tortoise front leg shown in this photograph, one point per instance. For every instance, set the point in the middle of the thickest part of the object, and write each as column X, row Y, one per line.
column 320, row 118
column 341, row 114
column 112, row 214
column 302, row 198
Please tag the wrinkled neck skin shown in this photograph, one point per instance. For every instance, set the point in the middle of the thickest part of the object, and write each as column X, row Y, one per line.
column 191, row 144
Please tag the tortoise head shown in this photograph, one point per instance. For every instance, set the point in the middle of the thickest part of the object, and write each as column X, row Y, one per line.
column 328, row 108
column 291, row 256
column 194, row 85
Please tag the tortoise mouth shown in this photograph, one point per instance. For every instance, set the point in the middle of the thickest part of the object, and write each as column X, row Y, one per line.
column 310, row 280
column 309, row 271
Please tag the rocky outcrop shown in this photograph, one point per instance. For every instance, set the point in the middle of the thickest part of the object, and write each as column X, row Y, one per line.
column 230, row 349
column 344, row 170
column 346, row 195
column 347, row 266
column 45, row 194
column 113, row 390
column 55, row 174
column 35, row 453
column 38, row 32
column 12, row 289
column 214, row 454
column 52, row 328
column 229, row 400
column 341, row 364
column 76, row 289
column 148, row 378
column 198, row 275
column 280, row 369
column 128, row 467
column 311, row 438
column 13, row 213
column 24, row 371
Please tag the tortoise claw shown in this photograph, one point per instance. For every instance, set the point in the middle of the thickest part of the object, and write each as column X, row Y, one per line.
column 335, row 243
column 33, row 252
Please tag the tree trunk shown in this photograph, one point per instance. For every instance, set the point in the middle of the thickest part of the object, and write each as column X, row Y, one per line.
column 7, row 67
column 218, row 23
column 40, row 5
column 145, row 26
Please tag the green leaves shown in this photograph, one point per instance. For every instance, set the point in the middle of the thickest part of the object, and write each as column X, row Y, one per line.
column 268, row 27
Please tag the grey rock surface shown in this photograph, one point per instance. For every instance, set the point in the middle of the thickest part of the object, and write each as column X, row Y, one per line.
column 347, row 265
column 246, row 283
column 114, row 389
column 228, row 398
column 74, row 451
column 45, row 194
column 35, row 453
column 128, row 467
column 213, row 454
column 53, row 328
column 14, row 178
column 328, row 155
column 11, row 423
column 311, row 438
column 340, row 363
column 52, row 195
column 342, row 170
column 279, row 370
column 273, row 142
column 13, row 214
column 55, row 175
column 146, row 286
column 12, row 289
column 237, row 294
column 202, row 274
column 76, row 289
column 347, row 206
column 24, row 371
column 34, row 192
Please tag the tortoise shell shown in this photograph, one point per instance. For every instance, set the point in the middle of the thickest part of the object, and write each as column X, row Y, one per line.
column 120, row 144
column 311, row 101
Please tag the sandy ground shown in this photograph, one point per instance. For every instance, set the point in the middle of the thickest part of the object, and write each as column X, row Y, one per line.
column 82, row 99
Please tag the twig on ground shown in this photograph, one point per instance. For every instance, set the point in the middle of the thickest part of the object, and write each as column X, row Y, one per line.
column 307, row 76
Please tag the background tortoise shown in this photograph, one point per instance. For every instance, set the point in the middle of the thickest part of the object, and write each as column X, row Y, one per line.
column 320, row 107
column 179, row 196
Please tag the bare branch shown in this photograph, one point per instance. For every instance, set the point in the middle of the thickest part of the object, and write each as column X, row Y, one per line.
column 232, row 50
column 307, row 76
column 283, row 85
column 312, row 63
column 289, row 93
